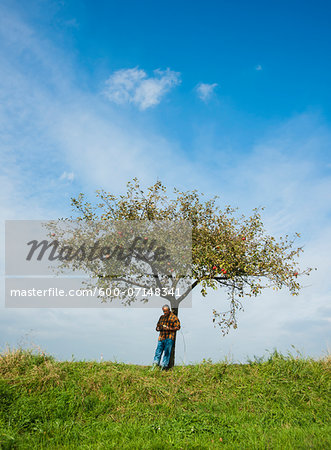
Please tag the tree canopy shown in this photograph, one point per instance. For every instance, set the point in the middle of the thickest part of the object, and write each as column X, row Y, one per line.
column 229, row 250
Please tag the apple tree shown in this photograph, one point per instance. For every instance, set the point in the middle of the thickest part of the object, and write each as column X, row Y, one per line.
column 229, row 251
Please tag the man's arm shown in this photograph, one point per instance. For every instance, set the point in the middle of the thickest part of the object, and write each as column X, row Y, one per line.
column 173, row 328
column 175, row 325
column 158, row 326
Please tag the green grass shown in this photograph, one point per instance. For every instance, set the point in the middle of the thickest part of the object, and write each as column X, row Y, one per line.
column 279, row 402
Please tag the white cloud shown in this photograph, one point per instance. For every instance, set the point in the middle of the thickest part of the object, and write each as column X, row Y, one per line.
column 69, row 176
column 205, row 91
column 258, row 67
column 134, row 86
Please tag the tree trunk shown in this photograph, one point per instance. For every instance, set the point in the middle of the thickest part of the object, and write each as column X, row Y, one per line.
column 172, row 356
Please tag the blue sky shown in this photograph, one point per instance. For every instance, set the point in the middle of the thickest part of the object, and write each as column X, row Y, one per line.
column 230, row 98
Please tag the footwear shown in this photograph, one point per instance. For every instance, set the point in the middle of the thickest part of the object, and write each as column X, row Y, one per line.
column 154, row 366
column 164, row 368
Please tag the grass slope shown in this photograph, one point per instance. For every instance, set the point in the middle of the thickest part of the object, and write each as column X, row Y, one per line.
column 282, row 402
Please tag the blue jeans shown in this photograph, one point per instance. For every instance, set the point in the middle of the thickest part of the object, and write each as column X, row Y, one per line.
column 164, row 346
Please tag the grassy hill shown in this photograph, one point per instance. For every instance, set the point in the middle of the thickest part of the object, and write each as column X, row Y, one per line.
column 281, row 402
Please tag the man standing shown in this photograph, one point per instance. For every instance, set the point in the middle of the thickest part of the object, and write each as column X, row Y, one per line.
column 167, row 325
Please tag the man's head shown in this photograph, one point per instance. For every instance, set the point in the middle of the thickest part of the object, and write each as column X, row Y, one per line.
column 166, row 310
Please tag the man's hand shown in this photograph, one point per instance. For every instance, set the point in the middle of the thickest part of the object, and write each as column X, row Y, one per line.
column 166, row 327
column 170, row 328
